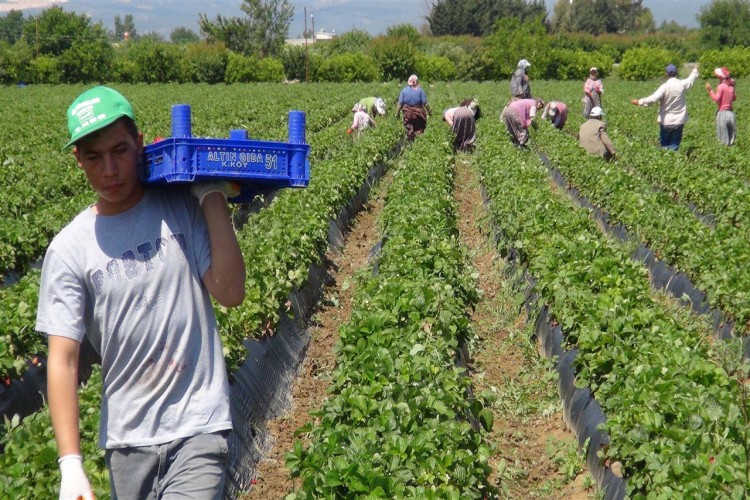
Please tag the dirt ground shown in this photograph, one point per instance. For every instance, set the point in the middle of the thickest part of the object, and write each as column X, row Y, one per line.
column 534, row 455
column 309, row 392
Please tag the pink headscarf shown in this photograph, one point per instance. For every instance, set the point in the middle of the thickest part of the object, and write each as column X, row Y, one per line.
column 413, row 81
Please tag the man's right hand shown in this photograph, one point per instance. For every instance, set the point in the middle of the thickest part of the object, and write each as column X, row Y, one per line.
column 74, row 485
column 228, row 189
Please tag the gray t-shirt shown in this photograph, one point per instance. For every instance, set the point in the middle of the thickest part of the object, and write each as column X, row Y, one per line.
column 132, row 283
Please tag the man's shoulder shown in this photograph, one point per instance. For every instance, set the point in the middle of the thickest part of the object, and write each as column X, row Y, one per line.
column 80, row 223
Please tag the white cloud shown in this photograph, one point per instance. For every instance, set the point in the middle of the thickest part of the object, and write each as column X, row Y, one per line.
column 9, row 5
column 322, row 4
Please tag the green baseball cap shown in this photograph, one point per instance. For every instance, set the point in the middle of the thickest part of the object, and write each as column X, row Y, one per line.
column 95, row 109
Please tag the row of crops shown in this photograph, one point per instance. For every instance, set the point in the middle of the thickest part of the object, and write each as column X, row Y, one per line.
column 399, row 422
column 30, row 222
column 649, row 376
column 279, row 243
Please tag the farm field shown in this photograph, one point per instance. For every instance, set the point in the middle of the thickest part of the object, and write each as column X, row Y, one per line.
column 427, row 373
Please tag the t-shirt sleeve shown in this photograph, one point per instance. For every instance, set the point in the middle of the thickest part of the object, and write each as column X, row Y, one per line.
column 62, row 299
column 201, row 243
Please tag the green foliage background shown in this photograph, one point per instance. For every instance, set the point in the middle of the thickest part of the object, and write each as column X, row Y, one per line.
column 57, row 46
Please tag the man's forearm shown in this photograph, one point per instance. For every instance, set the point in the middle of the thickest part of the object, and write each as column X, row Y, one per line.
column 62, row 394
column 226, row 279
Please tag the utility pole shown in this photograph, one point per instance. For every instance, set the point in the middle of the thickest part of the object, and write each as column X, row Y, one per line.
column 307, row 64
column 312, row 18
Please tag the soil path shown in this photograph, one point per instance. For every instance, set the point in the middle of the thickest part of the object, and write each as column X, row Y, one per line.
column 534, row 454
column 309, row 392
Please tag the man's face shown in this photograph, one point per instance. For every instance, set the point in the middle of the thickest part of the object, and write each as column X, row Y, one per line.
column 110, row 160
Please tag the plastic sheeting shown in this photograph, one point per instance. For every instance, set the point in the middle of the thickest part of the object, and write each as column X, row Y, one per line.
column 581, row 412
column 662, row 276
column 27, row 394
column 261, row 387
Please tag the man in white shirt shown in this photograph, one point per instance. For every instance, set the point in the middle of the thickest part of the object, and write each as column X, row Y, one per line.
column 672, row 106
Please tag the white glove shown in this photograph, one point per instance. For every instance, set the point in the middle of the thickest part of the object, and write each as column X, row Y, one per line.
column 202, row 189
column 74, row 484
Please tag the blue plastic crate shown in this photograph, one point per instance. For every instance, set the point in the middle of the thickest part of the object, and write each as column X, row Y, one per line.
column 258, row 166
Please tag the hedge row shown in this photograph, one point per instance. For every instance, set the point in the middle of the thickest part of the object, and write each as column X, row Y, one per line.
column 380, row 59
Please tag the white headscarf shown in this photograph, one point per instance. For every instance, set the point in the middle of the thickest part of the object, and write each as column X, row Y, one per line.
column 413, row 80
column 380, row 106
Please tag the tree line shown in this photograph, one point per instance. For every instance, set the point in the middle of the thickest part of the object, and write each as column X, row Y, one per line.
column 461, row 39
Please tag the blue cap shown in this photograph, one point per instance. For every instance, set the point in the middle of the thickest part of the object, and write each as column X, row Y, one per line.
column 671, row 69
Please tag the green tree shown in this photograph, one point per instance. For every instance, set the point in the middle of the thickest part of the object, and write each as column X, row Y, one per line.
column 86, row 61
column 725, row 23
column 262, row 32
column 269, row 24
column 478, row 17
column 351, row 41
column 204, row 63
column 15, row 62
column 602, row 16
column 242, row 69
column 351, row 67
column 234, row 32
column 45, row 69
column 404, row 30
column 11, row 26
column 672, row 27
column 155, row 61
column 395, row 57
column 153, row 36
column 512, row 41
column 182, row 36
column 297, row 62
column 54, row 31
column 447, row 18
column 125, row 29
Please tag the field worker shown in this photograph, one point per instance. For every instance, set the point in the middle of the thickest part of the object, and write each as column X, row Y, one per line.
column 463, row 125
column 557, row 113
column 592, row 136
column 592, row 92
column 361, row 120
column 373, row 105
column 518, row 115
column 724, row 97
column 519, row 81
column 134, row 273
column 672, row 107
column 473, row 104
column 413, row 102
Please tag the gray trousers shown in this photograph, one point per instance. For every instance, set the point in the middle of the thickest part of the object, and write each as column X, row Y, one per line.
column 726, row 127
column 188, row 468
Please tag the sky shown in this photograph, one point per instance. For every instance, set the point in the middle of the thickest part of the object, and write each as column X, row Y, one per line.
column 333, row 16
